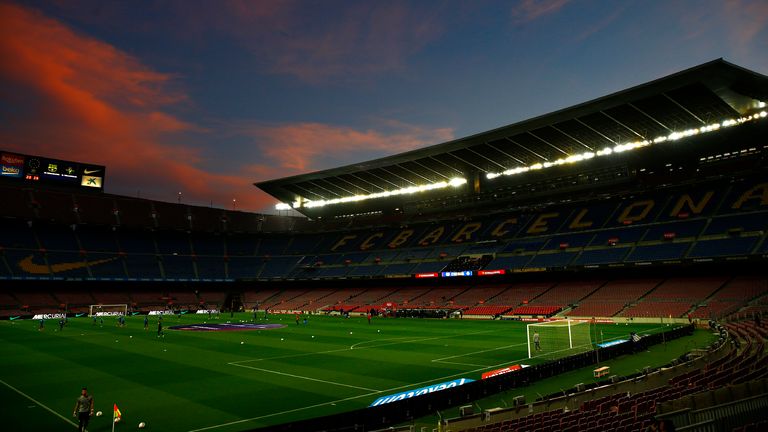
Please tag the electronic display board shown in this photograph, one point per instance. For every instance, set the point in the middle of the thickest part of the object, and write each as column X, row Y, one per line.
column 43, row 170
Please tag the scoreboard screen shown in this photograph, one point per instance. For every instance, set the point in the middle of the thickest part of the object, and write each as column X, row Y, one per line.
column 37, row 169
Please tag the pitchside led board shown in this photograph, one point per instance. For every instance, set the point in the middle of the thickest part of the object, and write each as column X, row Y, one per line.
column 36, row 169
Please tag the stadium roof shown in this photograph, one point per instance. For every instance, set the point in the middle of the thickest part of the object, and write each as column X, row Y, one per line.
column 694, row 98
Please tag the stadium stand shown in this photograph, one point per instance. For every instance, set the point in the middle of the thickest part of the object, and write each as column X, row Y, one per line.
column 612, row 297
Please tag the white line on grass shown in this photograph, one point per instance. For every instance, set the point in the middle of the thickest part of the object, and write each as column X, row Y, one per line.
column 378, row 340
column 441, row 360
column 410, row 385
column 35, row 401
column 304, row 378
column 365, row 347
column 462, row 364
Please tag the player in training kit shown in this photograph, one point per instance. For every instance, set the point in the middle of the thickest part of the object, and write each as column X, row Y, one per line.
column 536, row 341
column 146, row 322
column 83, row 409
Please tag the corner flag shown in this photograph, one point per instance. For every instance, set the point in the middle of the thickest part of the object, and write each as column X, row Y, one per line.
column 117, row 414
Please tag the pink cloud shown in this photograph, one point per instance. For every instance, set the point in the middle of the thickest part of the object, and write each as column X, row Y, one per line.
column 299, row 147
column 80, row 98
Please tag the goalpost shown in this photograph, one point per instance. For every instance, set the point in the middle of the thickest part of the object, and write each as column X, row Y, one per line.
column 558, row 338
column 108, row 310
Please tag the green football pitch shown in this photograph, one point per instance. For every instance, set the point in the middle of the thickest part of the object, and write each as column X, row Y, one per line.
column 226, row 381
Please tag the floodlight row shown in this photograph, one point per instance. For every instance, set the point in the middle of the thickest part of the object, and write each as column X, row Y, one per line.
column 620, row 148
column 454, row 182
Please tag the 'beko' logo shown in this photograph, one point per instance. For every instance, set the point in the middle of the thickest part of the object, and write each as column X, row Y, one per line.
column 11, row 171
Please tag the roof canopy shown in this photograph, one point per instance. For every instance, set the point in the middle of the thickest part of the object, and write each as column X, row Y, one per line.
column 696, row 97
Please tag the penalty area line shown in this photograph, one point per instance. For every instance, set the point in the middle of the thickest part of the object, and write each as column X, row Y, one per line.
column 304, row 377
column 37, row 402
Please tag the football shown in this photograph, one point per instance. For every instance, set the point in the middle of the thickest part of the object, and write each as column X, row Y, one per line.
column 98, row 413
column 141, row 425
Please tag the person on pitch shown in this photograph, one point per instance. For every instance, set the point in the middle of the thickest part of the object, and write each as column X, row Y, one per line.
column 536, row 341
column 83, row 409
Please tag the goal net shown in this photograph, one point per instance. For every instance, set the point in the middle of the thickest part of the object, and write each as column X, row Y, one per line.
column 108, row 310
column 556, row 339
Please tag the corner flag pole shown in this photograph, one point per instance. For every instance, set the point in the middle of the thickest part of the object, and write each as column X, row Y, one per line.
column 116, row 415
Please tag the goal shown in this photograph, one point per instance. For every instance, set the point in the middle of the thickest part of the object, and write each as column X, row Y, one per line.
column 108, row 310
column 558, row 338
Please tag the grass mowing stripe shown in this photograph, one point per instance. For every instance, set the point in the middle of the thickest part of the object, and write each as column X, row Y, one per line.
column 35, row 401
column 303, row 377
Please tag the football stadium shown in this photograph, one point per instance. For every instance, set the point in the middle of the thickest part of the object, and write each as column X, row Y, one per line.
column 595, row 268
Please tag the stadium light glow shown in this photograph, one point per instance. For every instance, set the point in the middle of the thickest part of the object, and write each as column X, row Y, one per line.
column 620, row 148
column 454, row 182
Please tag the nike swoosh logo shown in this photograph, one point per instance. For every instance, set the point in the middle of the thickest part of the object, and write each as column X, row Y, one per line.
column 90, row 171
column 32, row 267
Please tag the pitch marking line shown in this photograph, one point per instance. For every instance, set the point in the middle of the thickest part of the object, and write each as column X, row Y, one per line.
column 377, row 340
column 351, row 397
column 410, row 385
column 40, row 404
column 304, row 377
column 442, row 359
column 365, row 347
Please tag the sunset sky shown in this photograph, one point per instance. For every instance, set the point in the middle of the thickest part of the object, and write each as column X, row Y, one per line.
column 208, row 97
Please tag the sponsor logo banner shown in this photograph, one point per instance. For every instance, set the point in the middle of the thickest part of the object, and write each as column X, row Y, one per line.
column 421, row 391
column 206, row 311
column 502, row 371
column 612, row 343
column 162, row 312
column 457, row 273
column 490, row 272
column 11, row 159
column 50, row 316
column 10, row 171
column 91, row 181
column 113, row 313
column 425, row 275
column 529, row 270
column 11, row 165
